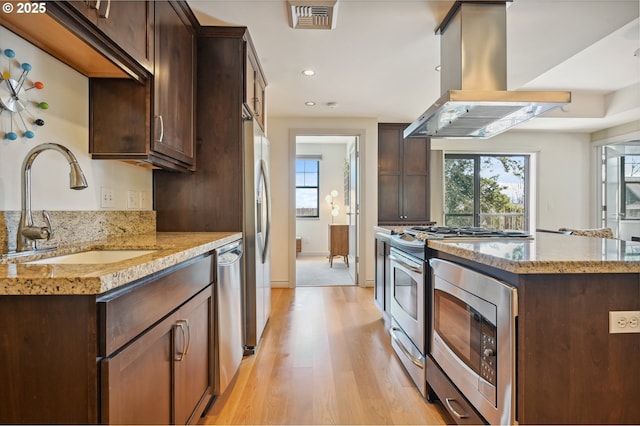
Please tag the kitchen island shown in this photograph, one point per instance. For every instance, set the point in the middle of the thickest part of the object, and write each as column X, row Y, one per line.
column 122, row 342
column 569, row 368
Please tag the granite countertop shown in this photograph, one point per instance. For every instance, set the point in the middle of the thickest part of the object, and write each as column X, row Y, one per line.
column 17, row 278
column 549, row 254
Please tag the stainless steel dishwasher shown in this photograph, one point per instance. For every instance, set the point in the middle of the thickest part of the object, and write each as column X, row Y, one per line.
column 229, row 338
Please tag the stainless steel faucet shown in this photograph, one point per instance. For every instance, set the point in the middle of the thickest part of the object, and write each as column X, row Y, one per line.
column 27, row 232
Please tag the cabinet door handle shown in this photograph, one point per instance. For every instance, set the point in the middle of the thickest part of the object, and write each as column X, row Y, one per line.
column 96, row 5
column 256, row 106
column 183, row 326
column 107, row 10
column 161, row 128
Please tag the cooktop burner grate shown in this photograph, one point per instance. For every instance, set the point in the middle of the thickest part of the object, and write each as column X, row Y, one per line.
column 435, row 232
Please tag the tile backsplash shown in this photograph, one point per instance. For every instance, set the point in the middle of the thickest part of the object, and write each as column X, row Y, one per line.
column 71, row 227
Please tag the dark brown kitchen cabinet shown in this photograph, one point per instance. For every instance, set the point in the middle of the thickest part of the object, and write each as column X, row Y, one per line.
column 120, row 46
column 213, row 198
column 151, row 123
column 174, row 82
column 255, row 86
column 140, row 376
column 129, row 24
column 119, row 358
column 403, row 176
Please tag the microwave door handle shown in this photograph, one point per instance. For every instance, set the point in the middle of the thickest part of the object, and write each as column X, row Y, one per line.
column 406, row 265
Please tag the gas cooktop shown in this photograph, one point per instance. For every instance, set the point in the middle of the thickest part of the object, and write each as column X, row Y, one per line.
column 413, row 240
column 441, row 232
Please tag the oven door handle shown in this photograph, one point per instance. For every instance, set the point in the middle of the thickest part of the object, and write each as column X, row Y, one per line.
column 416, row 361
column 406, row 265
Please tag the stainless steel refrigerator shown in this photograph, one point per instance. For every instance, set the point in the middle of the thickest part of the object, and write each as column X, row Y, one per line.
column 257, row 229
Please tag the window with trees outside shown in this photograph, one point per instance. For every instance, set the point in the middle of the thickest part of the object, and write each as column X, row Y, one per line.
column 489, row 191
column 307, row 187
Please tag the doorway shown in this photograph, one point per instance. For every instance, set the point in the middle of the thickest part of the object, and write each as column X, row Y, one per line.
column 326, row 207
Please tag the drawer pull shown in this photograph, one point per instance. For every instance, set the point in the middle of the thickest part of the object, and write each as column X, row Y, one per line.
column 448, row 401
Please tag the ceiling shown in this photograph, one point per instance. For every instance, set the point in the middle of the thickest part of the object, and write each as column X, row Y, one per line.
column 380, row 60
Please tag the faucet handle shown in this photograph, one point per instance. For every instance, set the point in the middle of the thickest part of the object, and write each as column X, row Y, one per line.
column 49, row 228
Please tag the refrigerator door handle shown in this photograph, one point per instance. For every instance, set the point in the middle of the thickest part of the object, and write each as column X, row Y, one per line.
column 264, row 180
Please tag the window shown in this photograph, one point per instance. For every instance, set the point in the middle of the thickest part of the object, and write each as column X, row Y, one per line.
column 630, row 186
column 307, row 190
column 489, row 191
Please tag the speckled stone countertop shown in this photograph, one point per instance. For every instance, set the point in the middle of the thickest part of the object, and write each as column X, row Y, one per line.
column 549, row 254
column 17, row 278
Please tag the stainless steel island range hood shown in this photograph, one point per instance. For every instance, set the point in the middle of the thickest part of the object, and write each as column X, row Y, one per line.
column 475, row 102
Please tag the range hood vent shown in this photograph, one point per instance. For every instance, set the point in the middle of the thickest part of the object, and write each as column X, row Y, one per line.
column 475, row 102
column 312, row 14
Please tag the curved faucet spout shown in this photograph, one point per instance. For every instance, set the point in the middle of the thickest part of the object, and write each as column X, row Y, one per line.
column 27, row 233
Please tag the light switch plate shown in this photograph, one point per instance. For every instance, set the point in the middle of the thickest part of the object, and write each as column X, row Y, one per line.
column 107, row 199
column 145, row 200
column 133, row 200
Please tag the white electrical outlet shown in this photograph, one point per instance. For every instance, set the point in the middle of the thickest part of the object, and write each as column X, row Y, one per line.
column 133, row 200
column 107, row 199
column 624, row 322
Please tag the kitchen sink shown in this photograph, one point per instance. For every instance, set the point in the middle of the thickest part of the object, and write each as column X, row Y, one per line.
column 92, row 257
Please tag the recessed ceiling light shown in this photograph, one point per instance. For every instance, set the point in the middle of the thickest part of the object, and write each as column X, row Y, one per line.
column 310, row 103
column 308, row 72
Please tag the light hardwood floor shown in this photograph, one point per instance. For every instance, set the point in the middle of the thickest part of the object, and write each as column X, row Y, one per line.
column 325, row 358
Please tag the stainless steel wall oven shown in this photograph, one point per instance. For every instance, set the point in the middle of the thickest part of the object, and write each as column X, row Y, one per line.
column 473, row 338
column 408, row 319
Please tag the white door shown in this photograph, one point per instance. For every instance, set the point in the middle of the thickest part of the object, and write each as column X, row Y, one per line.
column 353, row 209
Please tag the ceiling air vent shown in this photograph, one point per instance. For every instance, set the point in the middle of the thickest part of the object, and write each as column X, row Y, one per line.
column 312, row 14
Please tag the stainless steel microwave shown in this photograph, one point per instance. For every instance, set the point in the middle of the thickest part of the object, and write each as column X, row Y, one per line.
column 473, row 337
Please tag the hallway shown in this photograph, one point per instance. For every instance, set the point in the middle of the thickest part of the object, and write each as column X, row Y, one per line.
column 315, row 271
column 325, row 358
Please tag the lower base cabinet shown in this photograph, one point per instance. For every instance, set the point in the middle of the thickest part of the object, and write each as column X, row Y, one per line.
column 141, row 354
column 137, row 381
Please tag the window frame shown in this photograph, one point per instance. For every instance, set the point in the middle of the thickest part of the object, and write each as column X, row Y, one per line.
column 625, row 182
column 477, row 160
column 316, row 186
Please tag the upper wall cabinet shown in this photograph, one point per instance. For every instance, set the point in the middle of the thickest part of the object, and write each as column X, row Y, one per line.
column 174, row 83
column 140, row 58
column 151, row 123
column 115, row 40
column 403, row 176
column 128, row 23
column 255, row 85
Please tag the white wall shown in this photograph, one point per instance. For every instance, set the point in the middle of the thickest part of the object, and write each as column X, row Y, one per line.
column 66, row 123
column 282, row 161
column 562, row 168
column 313, row 231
